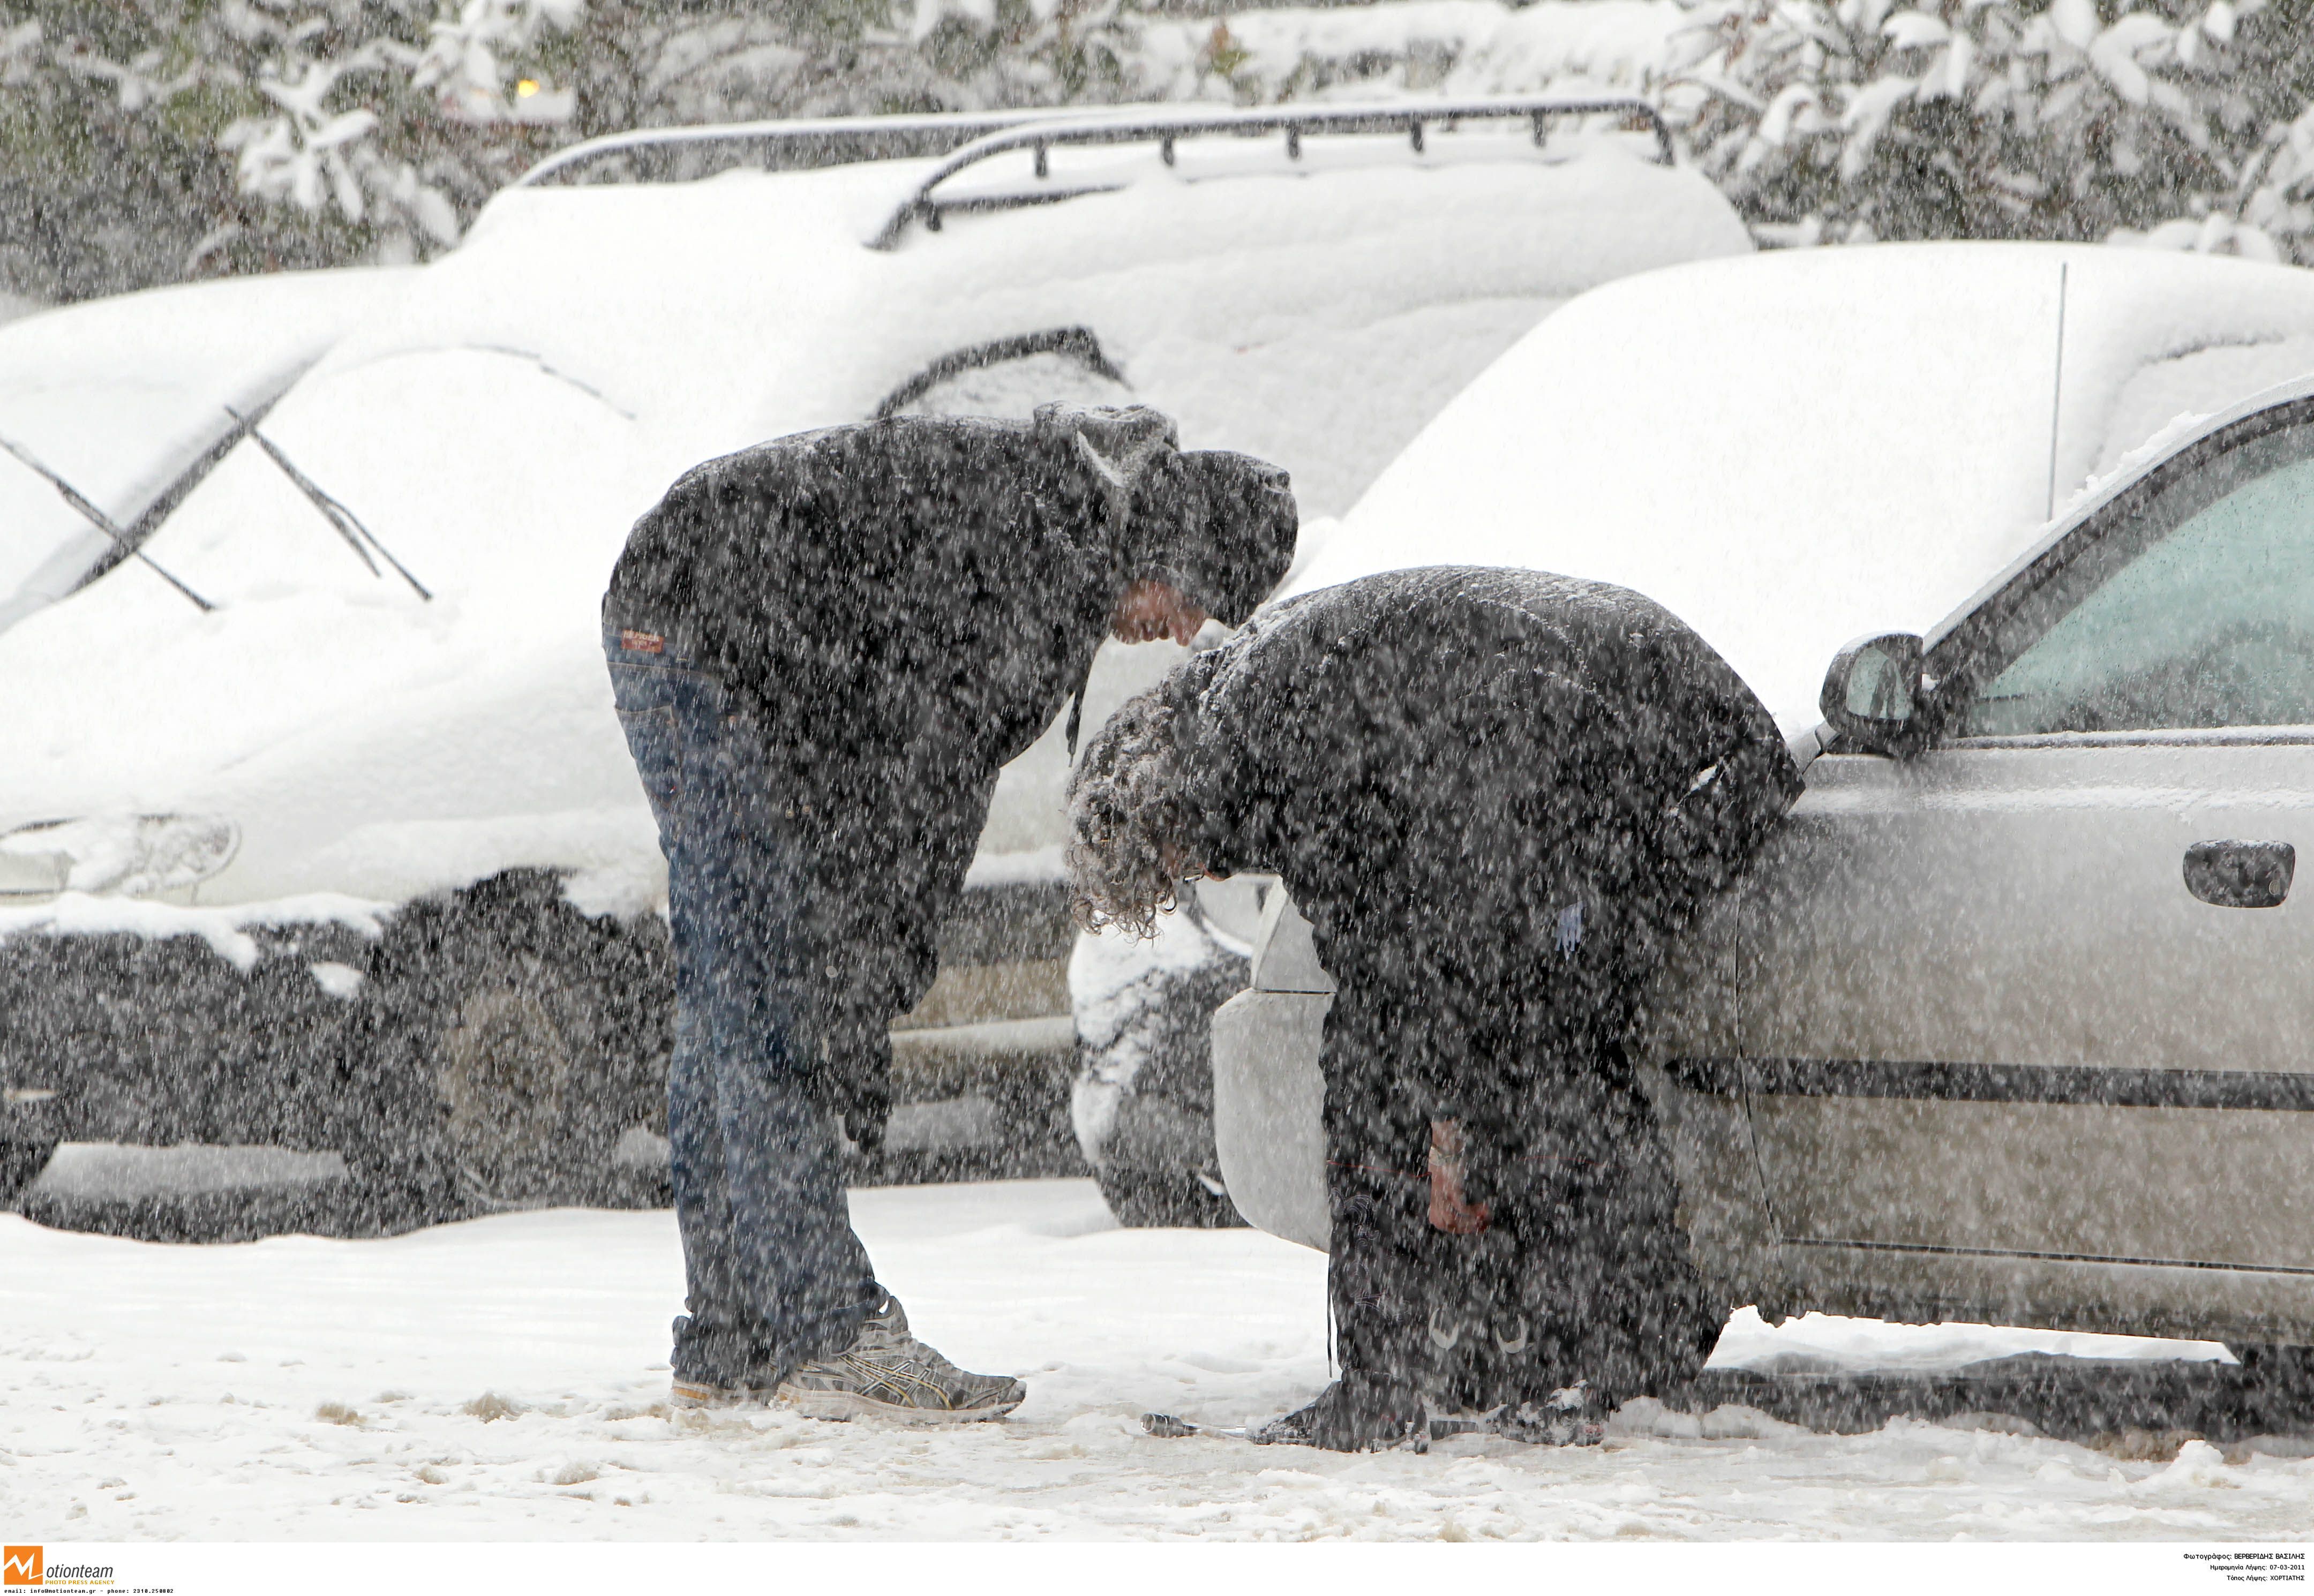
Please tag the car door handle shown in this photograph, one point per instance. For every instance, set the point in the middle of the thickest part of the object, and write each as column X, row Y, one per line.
column 2240, row 875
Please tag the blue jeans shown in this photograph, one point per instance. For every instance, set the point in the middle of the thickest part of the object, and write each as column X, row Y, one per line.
column 774, row 1274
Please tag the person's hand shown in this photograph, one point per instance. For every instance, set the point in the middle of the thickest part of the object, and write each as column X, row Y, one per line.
column 1152, row 610
column 864, row 1121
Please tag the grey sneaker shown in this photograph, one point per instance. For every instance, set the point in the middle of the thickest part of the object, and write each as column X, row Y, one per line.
column 888, row 1373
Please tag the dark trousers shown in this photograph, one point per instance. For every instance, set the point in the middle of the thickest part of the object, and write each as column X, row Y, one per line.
column 774, row 1274
column 1542, row 1251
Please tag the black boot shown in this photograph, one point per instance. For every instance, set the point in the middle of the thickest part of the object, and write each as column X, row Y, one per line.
column 1570, row 1417
column 1612, row 1298
column 1374, row 1290
column 1358, row 1413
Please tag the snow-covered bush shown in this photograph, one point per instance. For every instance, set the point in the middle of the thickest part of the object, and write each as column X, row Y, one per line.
column 146, row 139
column 143, row 140
column 2180, row 123
column 212, row 134
column 2168, row 120
column 1405, row 47
column 245, row 134
column 378, row 128
column 659, row 68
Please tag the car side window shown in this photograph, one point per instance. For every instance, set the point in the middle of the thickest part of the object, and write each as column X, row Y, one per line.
column 2194, row 611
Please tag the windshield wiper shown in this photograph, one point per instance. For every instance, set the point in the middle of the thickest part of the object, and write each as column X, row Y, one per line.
column 348, row 524
column 181, row 487
column 100, row 521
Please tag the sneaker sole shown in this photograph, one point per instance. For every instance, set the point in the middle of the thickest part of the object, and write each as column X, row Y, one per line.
column 844, row 1406
column 694, row 1397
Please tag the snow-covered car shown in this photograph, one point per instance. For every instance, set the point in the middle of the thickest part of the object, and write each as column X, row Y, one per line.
column 351, row 853
column 2011, row 1022
column 128, row 404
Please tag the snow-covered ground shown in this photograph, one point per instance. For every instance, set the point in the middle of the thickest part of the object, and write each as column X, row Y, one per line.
column 506, row 1376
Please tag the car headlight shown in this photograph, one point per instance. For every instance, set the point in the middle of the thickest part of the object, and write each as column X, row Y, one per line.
column 29, row 874
column 126, row 855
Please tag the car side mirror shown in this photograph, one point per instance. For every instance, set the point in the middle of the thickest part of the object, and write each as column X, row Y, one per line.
column 1872, row 695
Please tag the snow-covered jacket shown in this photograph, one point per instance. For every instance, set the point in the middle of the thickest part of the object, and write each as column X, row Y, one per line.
column 906, row 605
column 1466, row 774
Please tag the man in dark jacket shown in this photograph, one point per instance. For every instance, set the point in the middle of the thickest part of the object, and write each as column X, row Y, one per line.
column 822, row 649
column 1492, row 793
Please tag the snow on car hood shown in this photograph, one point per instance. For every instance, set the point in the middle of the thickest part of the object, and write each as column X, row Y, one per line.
column 1792, row 450
column 121, row 394
column 503, row 423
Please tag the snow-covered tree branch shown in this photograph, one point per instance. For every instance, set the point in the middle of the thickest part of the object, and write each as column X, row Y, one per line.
column 2180, row 122
column 291, row 130
column 238, row 135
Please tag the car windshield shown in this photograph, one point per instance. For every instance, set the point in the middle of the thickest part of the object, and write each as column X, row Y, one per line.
column 76, row 424
column 2197, row 610
column 129, row 402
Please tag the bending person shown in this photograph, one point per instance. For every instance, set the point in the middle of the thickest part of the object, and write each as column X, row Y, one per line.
column 823, row 648
column 1492, row 793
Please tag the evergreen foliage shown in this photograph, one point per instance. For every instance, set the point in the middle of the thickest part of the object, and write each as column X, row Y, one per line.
column 2182, row 122
column 146, row 140
column 143, row 141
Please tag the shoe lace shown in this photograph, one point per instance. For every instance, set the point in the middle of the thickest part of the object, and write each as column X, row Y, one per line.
column 891, row 1345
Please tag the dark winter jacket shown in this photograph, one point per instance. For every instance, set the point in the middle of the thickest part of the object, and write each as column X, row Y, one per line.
column 906, row 605
column 1475, row 783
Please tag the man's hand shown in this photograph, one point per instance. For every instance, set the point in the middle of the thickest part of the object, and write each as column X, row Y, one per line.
column 864, row 1122
column 1152, row 609
column 855, row 1074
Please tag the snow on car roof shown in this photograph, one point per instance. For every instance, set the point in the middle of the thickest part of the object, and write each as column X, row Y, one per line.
column 1792, row 450
column 119, row 395
column 500, row 425
column 1352, row 235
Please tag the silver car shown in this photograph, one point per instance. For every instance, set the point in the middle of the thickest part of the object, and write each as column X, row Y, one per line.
column 2014, row 1020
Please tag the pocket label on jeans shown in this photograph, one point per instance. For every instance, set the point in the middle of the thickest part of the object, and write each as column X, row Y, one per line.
column 643, row 642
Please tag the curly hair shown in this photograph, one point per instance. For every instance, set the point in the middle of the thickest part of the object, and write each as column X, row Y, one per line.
column 1130, row 843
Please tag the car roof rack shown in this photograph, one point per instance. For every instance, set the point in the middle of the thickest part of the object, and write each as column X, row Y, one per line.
column 1165, row 127
column 665, row 154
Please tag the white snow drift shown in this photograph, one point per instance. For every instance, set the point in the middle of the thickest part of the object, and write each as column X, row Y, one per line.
column 505, row 1378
